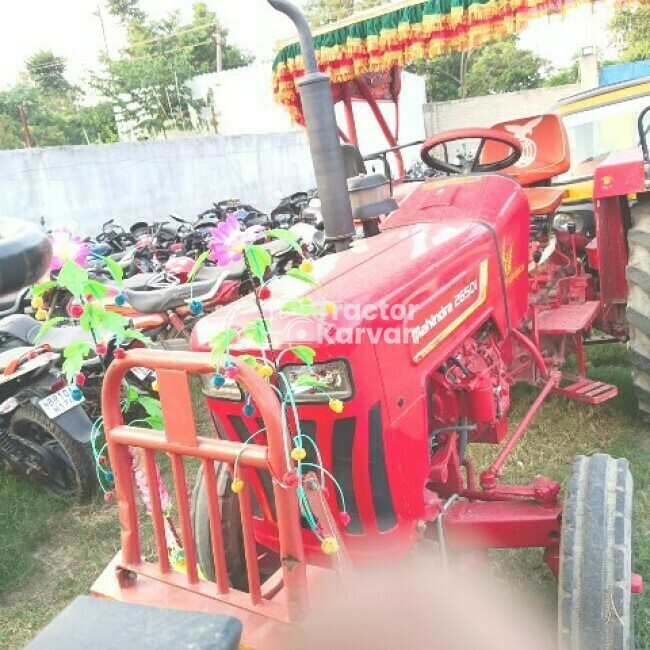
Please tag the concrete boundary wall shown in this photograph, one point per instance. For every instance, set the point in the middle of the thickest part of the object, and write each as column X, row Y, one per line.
column 489, row 109
column 146, row 180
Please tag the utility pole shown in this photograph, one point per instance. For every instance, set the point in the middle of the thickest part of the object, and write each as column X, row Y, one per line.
column 23, row 119
column 218, row 39
column 99, row 15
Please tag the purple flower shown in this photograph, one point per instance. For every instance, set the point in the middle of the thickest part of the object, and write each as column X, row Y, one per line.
column 228, row 242
column 66, row 246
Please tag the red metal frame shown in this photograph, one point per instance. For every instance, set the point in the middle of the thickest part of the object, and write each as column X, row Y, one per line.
column 137, row 580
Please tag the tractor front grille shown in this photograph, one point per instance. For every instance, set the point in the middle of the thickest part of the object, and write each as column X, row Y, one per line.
column 344, row 455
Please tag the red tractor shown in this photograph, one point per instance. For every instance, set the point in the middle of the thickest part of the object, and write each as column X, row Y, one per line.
column 461, row 292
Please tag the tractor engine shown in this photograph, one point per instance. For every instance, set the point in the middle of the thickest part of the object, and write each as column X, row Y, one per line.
column 474, row 380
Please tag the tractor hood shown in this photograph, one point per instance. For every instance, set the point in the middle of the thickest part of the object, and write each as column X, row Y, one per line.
column 439, row 232
column 359, row 283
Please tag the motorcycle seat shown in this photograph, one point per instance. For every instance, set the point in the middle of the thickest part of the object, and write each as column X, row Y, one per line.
column 157, row 300
column 26, row 329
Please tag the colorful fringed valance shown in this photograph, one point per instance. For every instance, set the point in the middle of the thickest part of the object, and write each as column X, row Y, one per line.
column 403, row 32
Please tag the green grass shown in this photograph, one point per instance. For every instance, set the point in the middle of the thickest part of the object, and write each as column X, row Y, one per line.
column 51, row 550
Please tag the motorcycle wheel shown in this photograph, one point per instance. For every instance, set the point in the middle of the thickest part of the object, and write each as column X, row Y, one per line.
column 67, row 464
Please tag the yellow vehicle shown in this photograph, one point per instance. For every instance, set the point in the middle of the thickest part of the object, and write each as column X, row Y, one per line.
column 598, row 122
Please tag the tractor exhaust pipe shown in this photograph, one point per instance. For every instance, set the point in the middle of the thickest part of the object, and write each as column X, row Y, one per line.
column 320, row 119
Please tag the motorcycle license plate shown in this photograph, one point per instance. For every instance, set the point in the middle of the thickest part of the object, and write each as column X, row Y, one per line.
column 59, row 403
column 141, row 373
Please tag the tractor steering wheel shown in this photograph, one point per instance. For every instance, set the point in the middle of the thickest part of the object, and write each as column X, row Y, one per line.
column 484, row 135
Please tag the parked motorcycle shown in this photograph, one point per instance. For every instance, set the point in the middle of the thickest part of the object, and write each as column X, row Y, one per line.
column 44, row 431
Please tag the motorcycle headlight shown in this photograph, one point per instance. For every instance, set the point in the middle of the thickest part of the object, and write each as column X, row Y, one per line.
column 229, row 391
column 333, row 377
column 563, row 219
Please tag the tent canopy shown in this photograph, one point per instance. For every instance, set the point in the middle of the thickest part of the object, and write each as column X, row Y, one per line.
column 378, row 40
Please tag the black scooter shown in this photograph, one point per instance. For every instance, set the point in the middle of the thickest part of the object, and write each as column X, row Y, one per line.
column 44, row 431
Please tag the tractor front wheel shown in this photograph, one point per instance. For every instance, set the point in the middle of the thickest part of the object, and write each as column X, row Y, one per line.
column 638, row 302
column 595, row 598
column 233, row 542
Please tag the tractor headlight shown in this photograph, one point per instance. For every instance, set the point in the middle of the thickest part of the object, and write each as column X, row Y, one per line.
column 563, row 219
column 229, row 390
column 333, row 377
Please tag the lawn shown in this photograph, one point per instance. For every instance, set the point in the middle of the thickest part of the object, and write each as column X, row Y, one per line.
column 51, row 550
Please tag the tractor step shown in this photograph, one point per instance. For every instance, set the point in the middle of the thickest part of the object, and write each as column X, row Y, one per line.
column 568, row 319
column 585, row 390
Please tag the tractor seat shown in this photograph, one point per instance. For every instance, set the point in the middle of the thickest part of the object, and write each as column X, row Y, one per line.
column 543, row 200
column 545, row 149
column 25, row 329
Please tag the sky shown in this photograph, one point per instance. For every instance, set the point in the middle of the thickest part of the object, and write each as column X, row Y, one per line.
column 71, row 28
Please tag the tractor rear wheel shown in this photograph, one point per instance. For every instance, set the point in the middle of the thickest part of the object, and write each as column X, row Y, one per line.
column 638, row 303
column 233, row 542
column 594, row 591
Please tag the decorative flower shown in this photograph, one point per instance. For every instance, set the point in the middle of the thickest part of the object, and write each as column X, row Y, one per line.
column 228, row 241
column 66, row 246
column 330, row 546
column 140, row 476
column 290, row 479
column 336, row 405
column 306, row 266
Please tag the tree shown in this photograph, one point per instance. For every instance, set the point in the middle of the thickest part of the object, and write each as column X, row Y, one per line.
column 564, row 76
column 630, row 31
column 502, row 67
column 53, row 109
column 148, row 85
column 126, row 10
column 322, row 12
column 446, row 76
column 47, row 71
column 494, row 68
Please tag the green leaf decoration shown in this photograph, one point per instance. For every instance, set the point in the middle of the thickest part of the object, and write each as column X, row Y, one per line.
column 197, row 265
column 302, row 276
column 92, row 316
column 258, row 259
column 137, row 336
column 248, row 359
column 255, row 331
column 40, row 289
column 155, row 423
column 151, row 405
column 96, row 289
column 304, row 353
column 114, row 323
column 286, row 236
column 221, row 342
column 79, row 349
column 116, row 271
column 132, row 395
column 309, row 380
column 48, row 324
column 301, row 306
column 73, row 278
column 74, row 355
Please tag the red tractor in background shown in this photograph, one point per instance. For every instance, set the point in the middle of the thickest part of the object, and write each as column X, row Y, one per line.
column 476, row 292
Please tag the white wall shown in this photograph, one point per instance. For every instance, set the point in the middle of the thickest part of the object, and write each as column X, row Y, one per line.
column 146, row 180
column 244, row 103
column 490, row 109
